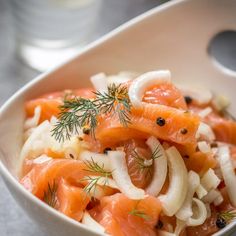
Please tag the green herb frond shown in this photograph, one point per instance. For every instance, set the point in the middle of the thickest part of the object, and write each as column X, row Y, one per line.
column 156, row 153
column 139, row 213
column 94, row 167
column 77, row 113
column 141, row 161
column 228, row 216
column 115, row 101
column 50, row 195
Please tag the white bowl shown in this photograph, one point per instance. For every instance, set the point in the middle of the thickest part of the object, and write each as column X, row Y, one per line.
column 174, row 36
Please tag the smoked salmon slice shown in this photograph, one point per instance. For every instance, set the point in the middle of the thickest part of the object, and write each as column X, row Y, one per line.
column 121, row 216
column 179, row 126
column 166, row 94
column 136, row 152
column 38, row 178
column 72, row 200
column 224, row 129
column 50, row 102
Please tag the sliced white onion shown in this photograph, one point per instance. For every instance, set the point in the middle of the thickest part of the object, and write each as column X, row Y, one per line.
column 218, row 173
column 214, row 150
column 186, row 209
column 178, row 178
column 227, row 170
column 97, row 192
column 218, row 200
column 204, row 147
column 41, row 139
column 33, row 121
column 42, row 159
column 99, row 82
column 160, row 167
column 201, row 192
column 101, row 159
column 180, row 225
column 208, row 208
column 165, row 233
column 205, row 131
column 121, row 176
column 143, row 82
column 36, row 135
column 205, row 112
column 211, row 196
column 91, row 223
column 104, row 181
column 210, row 180
column 201, row 95
column 221, row 102
column 122, row 77
column 200, row 213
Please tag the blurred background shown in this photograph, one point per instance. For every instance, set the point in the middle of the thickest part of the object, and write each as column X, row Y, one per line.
column 36, row 35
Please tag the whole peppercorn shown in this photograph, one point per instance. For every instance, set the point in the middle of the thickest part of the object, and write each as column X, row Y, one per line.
column 106, row 150
column 188, row 99
column 86, row 130
column 220, row 222
column 184, row 131
column 159, row 224
column 160, row 121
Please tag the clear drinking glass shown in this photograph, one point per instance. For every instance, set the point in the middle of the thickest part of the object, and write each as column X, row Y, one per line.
column 49, row 31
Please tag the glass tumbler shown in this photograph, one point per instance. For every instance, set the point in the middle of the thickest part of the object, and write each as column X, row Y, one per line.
column 50, row 31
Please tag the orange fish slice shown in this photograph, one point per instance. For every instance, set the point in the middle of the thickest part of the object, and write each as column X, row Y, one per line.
column 72, row 200
column 224, row 129
column 136, row 149
column 37, row 180
column 121, row 216
column 179, row 126
column 50, row 103
column 166, row 94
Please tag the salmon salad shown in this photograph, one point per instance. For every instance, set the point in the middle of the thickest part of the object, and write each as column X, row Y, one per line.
column 133, row 154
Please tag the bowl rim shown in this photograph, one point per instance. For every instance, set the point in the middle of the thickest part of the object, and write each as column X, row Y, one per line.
column 5, row 173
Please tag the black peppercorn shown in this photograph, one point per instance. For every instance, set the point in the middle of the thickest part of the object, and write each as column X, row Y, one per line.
column 184, row 131
column 213, row 145
column 188, row 99
column 220, row 222
column 160, row 121
column 159, row 225
column 186, row 156
column 86, row 130
column 106, row 150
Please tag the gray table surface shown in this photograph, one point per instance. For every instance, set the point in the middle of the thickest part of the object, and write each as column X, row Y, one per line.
column 14, row 74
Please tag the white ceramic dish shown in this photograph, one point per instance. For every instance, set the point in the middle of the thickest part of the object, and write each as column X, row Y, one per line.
column 174, row 36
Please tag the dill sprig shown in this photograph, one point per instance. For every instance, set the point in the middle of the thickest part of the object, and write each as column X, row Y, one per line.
column 93, row 181
column 77, row 113
column 139, row 213
column 115, row 101
column 228, row 216
column 94, row 167
column 50, row 195
column 142, row 162
column 156, row 153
